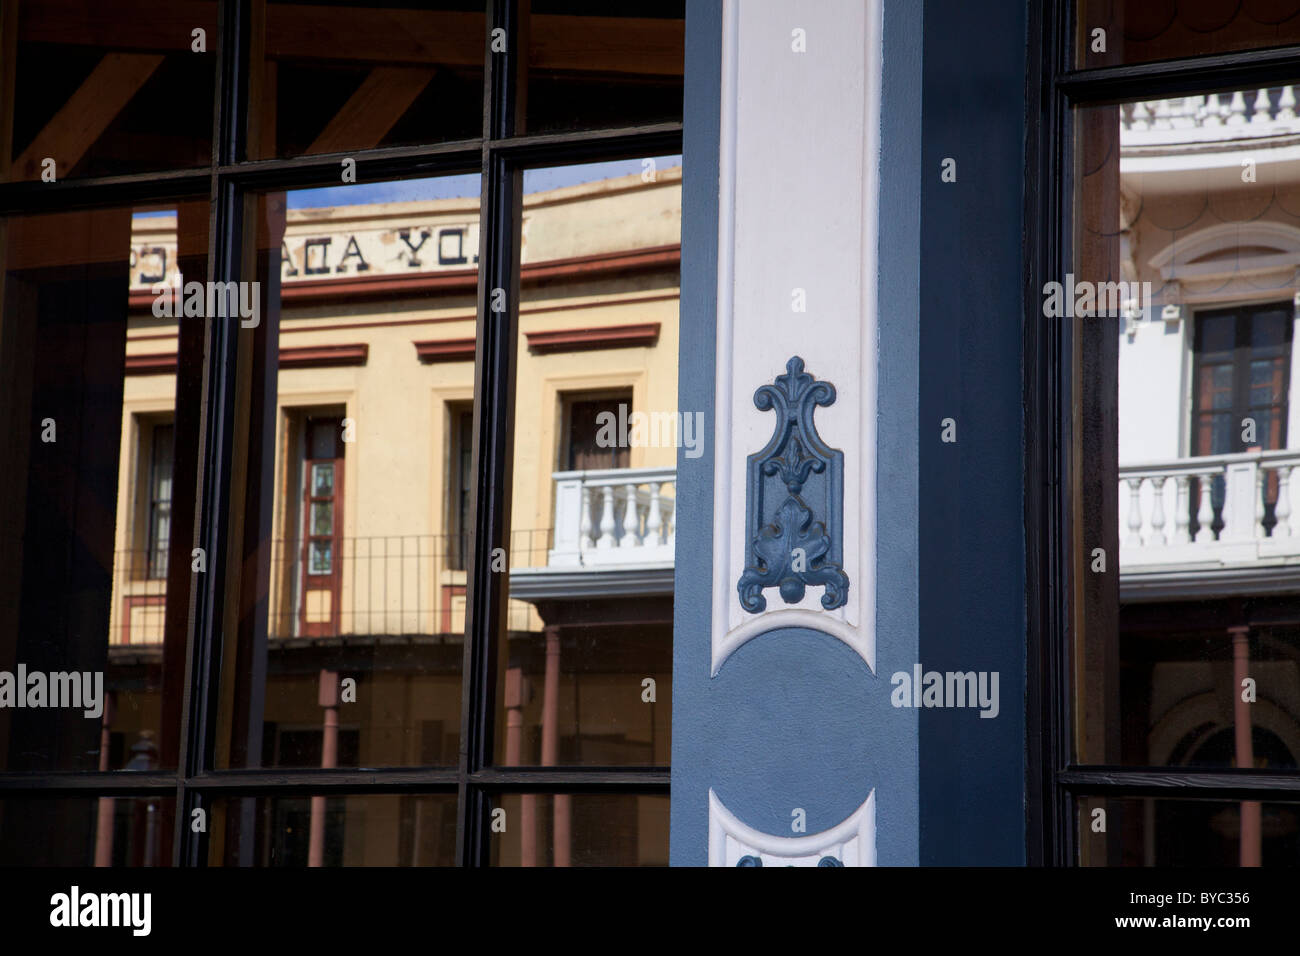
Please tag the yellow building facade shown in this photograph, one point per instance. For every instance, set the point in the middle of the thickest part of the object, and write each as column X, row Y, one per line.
column 374, row 307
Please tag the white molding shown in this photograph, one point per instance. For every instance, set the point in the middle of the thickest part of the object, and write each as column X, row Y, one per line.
column 531, row 584
column 722, row 483
column 831, row 252
column 852, row 841
column 793, row 617
column 1177, row 256
column 1209, row 583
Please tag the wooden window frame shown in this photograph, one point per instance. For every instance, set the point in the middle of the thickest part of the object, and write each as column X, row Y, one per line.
column 1056, row 86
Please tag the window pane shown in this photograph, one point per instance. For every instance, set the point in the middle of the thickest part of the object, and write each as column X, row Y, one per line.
column 342, row 76
column 78, row 831
column 160, row 483
column 1139, row 31
column 1269, row 329
column 1187, row 648
column 334, row 830
column 583, row 829
column 105, row 89
column 350, row 644
column 96, row 575
column 322, row 517
column 322, row 480
column 1145, row 831
column 594, row 65
column 587, row 668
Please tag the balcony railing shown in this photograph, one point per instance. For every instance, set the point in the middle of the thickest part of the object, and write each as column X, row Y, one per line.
column 390, row 586
column 1214, row 512
column 1212, row 117
column 409, row 586
column 614, row 516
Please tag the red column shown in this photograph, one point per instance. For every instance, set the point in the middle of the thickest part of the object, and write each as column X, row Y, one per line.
column 329, row 757
column 551, row 744
column 1250, row 809
column 104, row 824
column 516, row 693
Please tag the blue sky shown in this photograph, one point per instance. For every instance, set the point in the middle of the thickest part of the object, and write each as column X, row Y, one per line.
column 455, row 187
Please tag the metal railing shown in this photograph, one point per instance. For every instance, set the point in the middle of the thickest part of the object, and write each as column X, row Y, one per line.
column 412, row 585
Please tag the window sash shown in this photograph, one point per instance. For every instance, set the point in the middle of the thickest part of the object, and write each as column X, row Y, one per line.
column 1055, row 87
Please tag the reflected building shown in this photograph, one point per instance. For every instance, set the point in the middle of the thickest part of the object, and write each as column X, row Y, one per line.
column 1204, row 206
column 365, row 574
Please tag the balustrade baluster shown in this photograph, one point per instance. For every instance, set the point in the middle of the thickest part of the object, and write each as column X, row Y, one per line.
column 607, row 518
column 653, row 521
column 1286, row 104
column 1134, row 512
column 1259, row 503
column 1282, row 510
column 585, row 540
column 631, row 519
column 1182, row 515
column 1163, row 114
column 670, row 516
column 1205, row 512
column 1261, row 114
column 1158, row 512
column 1237, row 109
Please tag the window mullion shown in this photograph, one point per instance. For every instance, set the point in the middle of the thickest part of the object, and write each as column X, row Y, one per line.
column 494, row 389
column 216, row 436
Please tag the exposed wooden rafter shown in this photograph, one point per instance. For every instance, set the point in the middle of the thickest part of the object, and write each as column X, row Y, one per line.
column 87, row 113
column 376, row 106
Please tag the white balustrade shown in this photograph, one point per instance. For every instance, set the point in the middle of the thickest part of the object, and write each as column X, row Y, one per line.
column 1241, row 506
column 614, row 516
column 1218, row 116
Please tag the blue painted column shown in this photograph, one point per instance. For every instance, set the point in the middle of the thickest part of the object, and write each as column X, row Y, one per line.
column 972, row 597
column 785, row 742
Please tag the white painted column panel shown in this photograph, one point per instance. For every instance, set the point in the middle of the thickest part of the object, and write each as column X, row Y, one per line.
column 798, row 197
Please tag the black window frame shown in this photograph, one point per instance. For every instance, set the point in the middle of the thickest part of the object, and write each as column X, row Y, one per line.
column 1055, row 86
column 499, row 156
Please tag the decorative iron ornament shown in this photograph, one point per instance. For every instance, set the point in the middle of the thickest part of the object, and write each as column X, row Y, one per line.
column 794, row 479
column 752, row 861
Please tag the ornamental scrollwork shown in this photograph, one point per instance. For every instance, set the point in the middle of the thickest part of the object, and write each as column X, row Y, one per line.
column 792, row 481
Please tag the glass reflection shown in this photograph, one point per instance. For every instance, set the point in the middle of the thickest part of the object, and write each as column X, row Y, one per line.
column 335, row 830
column 351, row 629
column 107, row 89
column 97, row 493
column 1110, row 32
column 583, row 829
column 587, row 668
column 70, row 831
column 598, row 65
column 1204, row 833
column 338, row 77
column 1188, row 445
